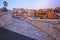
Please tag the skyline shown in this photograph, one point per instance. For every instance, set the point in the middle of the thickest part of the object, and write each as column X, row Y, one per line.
column 31, row 4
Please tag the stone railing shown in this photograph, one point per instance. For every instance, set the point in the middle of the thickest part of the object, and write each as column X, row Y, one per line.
column 5, row 18
column 49, row 26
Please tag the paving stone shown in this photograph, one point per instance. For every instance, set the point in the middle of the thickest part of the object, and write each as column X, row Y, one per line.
column 22, row 27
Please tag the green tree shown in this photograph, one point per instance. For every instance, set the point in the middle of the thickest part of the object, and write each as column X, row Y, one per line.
column 5, row 5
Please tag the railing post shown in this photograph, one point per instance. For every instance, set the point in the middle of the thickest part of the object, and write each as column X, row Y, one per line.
column 34, row 13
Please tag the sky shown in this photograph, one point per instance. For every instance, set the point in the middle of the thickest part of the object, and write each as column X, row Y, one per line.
column 31, row 4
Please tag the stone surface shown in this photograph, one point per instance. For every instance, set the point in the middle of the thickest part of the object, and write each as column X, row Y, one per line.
column 49, row 28
column 22, row 27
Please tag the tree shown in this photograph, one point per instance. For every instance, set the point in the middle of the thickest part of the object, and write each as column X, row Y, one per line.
column 5, row 6
column 5, row 3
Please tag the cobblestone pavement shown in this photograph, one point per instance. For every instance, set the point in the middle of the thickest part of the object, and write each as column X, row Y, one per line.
column 22, row 27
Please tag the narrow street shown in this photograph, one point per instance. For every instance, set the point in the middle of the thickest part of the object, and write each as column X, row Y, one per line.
column 22, row 27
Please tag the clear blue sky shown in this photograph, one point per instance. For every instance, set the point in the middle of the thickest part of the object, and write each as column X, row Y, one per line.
column 34, row 4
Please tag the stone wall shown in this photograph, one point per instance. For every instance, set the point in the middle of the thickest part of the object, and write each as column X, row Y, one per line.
column 5, row 18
